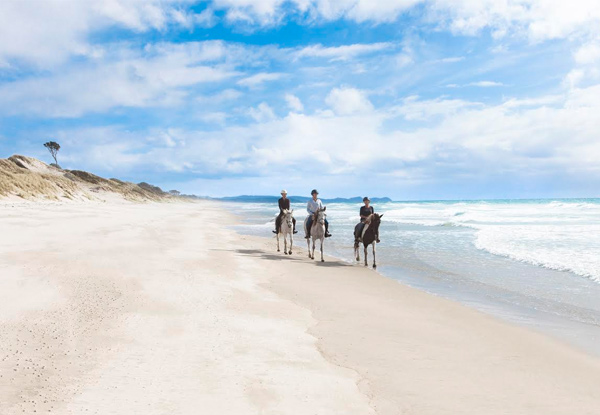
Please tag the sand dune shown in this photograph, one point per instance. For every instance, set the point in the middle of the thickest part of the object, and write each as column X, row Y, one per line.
column 27, row 178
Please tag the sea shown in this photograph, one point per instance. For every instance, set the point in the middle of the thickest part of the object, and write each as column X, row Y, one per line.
column 535, row 263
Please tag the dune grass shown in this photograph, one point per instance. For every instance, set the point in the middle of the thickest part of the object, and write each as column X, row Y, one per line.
column 31, row 179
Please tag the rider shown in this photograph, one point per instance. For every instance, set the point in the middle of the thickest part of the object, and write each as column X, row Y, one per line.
column 284, row 203
column 365, row 212
column 311, row 207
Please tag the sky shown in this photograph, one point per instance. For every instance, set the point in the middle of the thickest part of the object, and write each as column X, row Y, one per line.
column 410, row 99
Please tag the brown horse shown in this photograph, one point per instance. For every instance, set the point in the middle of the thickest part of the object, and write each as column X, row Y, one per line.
column 369, row 237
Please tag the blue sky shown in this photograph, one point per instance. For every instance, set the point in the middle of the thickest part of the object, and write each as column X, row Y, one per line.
column 410, row 99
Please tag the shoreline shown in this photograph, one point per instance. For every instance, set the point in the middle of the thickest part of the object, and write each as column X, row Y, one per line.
column 579, row 330
column 203, row 317
column 337, row 317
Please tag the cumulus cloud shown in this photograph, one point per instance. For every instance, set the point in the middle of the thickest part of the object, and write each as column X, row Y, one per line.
column 461, row 139
column 348, row 101
column 262, row 113
column 294, row 103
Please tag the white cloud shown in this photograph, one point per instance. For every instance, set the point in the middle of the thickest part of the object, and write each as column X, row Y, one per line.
column 294, row 103
column 534, row 137
column 587, row 68
column 537, row 19
column 485, row 84
column 348, row 101
column 157, row 76
column 46, row 33
column 258, row 79
column 345, row 52
column 49, row 32
column 588, row 53
column 262, row 113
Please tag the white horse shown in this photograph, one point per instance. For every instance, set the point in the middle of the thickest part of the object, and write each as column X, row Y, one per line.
column 286, row 228
column 317, row 232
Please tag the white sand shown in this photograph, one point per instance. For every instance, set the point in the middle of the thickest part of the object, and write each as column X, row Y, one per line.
column 161, row 309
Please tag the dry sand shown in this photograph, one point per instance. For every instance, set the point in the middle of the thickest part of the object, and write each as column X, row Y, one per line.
column 121, row 308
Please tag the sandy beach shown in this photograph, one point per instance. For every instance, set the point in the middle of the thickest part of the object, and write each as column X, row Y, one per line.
column 161, row 308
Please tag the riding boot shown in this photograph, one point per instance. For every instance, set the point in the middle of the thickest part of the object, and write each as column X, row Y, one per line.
column 295, row 231
column 327, row 234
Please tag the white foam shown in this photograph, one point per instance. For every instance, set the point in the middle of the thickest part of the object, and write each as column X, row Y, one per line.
column 561, row 235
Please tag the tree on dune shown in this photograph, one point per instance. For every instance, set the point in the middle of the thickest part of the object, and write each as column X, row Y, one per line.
column 53, row 148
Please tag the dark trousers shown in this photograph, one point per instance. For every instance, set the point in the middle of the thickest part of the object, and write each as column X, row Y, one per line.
column 358, row 229
column 278, row 222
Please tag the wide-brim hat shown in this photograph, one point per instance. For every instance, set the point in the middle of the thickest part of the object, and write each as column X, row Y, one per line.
column 284, row 192
column 366, row 198
column 314, row 191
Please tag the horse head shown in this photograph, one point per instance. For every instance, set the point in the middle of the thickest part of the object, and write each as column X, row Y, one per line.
column 289, row 217
column 374, row 220
column 320, row 216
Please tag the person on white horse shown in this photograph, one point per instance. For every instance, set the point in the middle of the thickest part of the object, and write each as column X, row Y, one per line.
column 284, row 204
column 365, row 212
column 312, row 206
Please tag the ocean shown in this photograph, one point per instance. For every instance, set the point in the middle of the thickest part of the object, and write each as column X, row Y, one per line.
column 531, row 262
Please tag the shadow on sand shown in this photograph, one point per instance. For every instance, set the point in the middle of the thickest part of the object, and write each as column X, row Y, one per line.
column 280, row 256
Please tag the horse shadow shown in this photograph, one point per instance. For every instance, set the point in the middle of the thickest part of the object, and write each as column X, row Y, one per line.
column 257, row 253
column 266, row 255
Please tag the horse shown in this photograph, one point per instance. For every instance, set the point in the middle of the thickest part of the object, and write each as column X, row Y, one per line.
column 317, row 232
column 369, row 237
column 286, row 228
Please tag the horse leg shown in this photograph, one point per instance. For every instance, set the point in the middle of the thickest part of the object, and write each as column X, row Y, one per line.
column 285, row 244
column 374, row 263
column 322, row 240
column 366, row 264
column 291, row 241
column 357, row 252
column 278, row 242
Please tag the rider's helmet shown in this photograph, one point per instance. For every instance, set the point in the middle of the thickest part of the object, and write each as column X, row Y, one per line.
column 314, row 192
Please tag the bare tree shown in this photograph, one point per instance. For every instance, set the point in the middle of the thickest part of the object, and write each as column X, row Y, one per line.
column 53, row 148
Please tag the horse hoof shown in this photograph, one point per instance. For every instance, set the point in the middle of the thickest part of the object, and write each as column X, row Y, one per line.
column 322, row 260
column 374, row 266
column 290, row 253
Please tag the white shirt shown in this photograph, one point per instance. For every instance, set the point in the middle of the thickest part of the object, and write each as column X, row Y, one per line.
column 312, row 206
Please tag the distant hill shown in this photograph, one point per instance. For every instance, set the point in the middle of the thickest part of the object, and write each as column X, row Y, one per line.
column 28, row 178
column 300, row 199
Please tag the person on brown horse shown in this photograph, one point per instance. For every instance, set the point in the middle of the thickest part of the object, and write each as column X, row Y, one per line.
column 365, row 212
column 284, row 204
